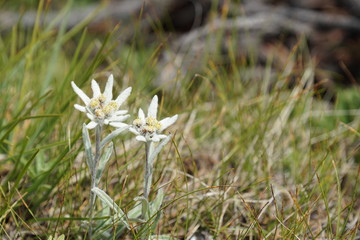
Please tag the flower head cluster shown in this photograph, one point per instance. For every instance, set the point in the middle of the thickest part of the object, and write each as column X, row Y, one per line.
column 148, row 128
column 101, row 109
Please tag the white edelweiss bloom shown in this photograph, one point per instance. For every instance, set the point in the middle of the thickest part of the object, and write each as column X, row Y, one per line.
column 101, row 108
column 148, row 128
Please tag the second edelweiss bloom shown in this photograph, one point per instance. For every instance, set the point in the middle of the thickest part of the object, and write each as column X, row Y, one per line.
column 101, row 109
column 148, row 128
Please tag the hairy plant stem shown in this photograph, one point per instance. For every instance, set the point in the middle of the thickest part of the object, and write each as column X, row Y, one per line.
column 148, row 173
column 98, row 131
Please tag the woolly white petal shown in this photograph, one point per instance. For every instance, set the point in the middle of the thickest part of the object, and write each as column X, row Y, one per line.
column 80, row 108
column 121, row 112
column 152, row 111
column 166, row 122
column 123, row 96
column 141, row 138
column 155, row 138
column 134, row 131
column 109, row 87
column 95, row 88
column 80, row 93
column 106, row 121
column 118, row 124
column 141, row 115
column 91, row 125
column 162, row 136
column 91, row 117
column 119, row 118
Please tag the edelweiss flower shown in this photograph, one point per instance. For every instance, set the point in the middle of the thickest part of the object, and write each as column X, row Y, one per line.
column 101, row 109
column 148, row 129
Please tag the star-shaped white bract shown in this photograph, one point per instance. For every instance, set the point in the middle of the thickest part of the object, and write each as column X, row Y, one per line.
column 148, row 128
column 101, row 109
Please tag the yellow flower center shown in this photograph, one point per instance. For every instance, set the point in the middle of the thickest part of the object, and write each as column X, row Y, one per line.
column 110, row 108
column 101, row 110
column 152, row 122
column 149, row 129
column 99, row 113
column 114, row 105
column 102, row 98
column 137, row 122
column 94, row 103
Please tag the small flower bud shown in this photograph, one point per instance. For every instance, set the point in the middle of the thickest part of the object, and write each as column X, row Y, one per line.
column 99, row 113
column 114, row 105
column 150, row 121
column 137, row 122
column 149, row 129
column 102, row 98
column 94, row 103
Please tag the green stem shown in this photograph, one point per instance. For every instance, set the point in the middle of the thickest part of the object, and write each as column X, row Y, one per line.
column 148, row 173
column 98, row 131
column 148, row 170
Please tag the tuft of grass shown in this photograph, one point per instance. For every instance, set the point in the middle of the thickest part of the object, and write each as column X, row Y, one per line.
column 262, row 159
